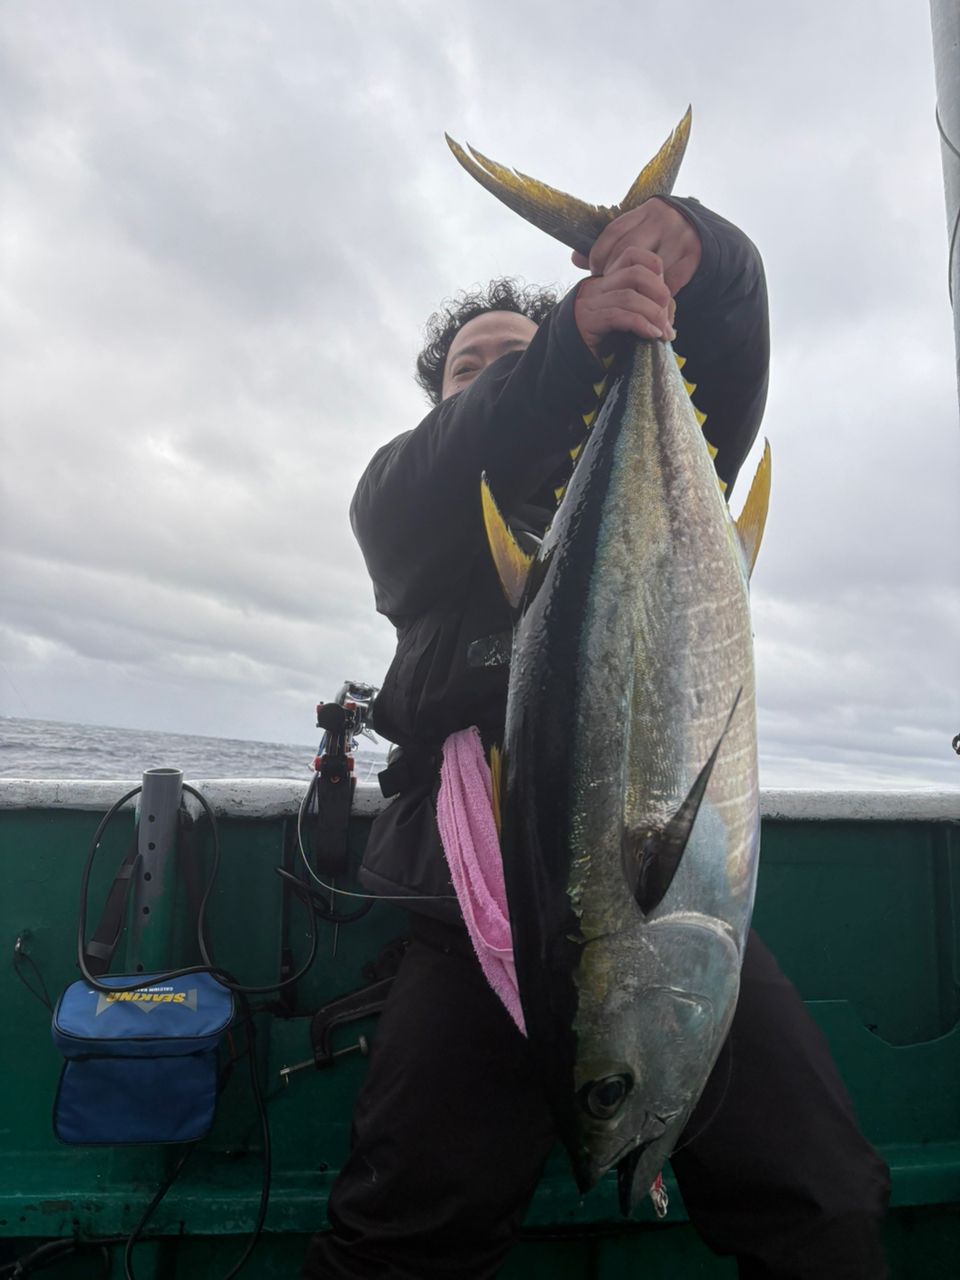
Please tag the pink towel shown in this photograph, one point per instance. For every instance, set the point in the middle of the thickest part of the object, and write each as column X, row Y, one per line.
column 472, row 848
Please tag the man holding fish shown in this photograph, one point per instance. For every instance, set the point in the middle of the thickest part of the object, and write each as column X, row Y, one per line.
column 627, row 962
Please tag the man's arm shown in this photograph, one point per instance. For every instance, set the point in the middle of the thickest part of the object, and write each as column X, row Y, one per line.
column 416, row 512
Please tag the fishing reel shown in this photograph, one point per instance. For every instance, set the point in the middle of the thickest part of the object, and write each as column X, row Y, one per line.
column 344, row 720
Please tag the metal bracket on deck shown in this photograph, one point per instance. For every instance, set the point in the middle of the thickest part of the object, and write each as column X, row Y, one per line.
column 349, row 1008
column 355, row 1005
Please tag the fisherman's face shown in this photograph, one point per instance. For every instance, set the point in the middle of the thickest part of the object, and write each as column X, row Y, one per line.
column 481, row 341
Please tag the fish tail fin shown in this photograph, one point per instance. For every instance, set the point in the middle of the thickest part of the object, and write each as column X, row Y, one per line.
column 753, row 518
column 511, row 561
column 658, row 176
column 571, row 221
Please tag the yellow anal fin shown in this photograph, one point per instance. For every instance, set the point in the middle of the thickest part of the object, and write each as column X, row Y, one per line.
column 496, row 781
column 753, row 517
column 657, row 177
column 511, row 561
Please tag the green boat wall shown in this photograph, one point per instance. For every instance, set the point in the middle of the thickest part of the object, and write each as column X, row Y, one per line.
column 858, row 897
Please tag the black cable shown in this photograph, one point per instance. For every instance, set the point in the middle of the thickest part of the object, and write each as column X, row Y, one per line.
column 144, row 1218
column 219, row 975
column 51, row 1252
column 267, row 1158
column 208, row 965
column 321, row 904
column 21, row 957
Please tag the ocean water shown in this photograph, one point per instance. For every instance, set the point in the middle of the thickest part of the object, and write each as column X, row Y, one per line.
column 52, row 749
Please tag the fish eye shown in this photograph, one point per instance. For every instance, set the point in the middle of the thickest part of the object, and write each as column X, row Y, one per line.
column 603, row 1098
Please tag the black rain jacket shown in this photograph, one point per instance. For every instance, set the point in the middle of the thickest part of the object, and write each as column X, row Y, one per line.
column 416, row 514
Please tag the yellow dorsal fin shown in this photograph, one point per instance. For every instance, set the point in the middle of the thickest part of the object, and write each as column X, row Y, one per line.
column 753, row 517
column 511, row 561
column 496, row 774
column 657, row 177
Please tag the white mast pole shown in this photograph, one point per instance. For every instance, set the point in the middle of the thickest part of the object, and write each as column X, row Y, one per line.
column 945, row 20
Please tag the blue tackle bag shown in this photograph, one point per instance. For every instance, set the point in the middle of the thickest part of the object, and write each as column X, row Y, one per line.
column 141, row 1066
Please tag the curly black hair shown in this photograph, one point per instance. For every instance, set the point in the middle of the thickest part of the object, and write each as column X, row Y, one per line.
column 443, row 326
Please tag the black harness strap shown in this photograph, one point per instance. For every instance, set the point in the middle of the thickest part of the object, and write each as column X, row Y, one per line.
column 100, row 948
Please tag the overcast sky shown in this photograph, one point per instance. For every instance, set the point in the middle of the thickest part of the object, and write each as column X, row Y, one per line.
column 224, row 225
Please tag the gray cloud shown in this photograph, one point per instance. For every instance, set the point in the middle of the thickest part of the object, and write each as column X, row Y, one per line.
column 222, row 232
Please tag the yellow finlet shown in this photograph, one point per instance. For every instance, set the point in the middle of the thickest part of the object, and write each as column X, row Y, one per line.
column 753, row 517
column 681, row 360
column 701, row 417
column 575, row 452
column 599, row 388
column 511, row 561
column 559, row 492
column 690, row 387
column 712, row 450
column 589, row 418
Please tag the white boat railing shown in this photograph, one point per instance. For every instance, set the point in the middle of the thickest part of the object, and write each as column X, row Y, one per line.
column 281, row 797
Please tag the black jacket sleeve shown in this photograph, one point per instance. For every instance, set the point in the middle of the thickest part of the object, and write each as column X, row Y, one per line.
column 416, row 512
column 723, row 332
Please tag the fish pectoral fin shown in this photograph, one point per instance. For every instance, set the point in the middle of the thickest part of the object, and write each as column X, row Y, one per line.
column 753, row 518
column 511, row 561
column 657, row 177
column 651, row 856
column 571, row 221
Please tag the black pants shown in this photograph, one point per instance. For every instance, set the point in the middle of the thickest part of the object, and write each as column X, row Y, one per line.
column 451, row 1133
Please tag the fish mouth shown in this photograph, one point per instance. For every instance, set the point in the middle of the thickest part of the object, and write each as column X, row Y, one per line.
column 589, row 1170
column 653, row 1130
